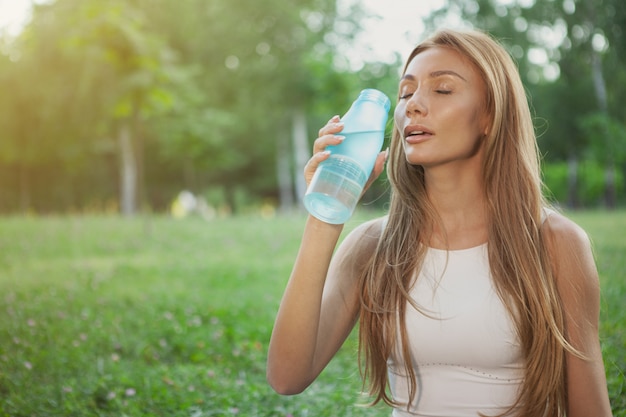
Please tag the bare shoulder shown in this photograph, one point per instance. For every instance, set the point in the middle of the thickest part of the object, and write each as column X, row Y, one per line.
column 350, row 261
column 562, row 230
column 570, row 251
column 370, row 230
column 360, row 244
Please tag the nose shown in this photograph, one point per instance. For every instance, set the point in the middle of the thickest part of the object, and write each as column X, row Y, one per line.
column 416, row 104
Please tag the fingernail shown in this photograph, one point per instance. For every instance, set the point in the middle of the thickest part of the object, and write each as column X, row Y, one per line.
column 339, row 137
column 326, row 152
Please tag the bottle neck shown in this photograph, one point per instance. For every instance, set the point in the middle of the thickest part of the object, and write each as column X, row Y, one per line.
column 377, row 97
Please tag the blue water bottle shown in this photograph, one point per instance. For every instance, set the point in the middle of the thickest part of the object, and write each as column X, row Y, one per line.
column 339, row 180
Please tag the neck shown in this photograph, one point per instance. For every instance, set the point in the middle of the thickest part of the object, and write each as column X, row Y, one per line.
column 458, row 197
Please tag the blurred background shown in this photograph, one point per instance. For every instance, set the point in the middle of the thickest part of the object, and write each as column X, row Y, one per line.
column 117, row 106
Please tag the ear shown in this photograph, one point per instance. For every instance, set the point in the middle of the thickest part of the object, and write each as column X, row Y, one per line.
column 487, row 124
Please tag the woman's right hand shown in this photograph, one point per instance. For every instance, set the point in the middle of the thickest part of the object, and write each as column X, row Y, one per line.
column 327, row 136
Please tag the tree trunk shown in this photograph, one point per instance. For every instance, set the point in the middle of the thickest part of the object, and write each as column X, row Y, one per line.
column 301, row 151
column 601, row 95
column 609, row 187
column 283, row 173
column 229, row 195
column 23, row 185
column 128, row 172
column 572, row 181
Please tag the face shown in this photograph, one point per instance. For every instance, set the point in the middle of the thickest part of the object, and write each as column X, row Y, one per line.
column 440, row 114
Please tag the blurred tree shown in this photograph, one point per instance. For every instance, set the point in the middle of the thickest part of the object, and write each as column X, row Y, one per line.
column 42, row 89
column 250, row 66
column 142, row 98
column 132, row 65
column 86, row 71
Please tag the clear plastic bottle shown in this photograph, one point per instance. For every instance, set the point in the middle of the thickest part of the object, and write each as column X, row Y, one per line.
column 339, row 180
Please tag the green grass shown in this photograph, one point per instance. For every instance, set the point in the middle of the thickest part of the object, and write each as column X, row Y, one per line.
column 102, row 316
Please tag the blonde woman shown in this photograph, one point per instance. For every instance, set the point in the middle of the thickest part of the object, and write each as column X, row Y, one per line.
column 472, row 297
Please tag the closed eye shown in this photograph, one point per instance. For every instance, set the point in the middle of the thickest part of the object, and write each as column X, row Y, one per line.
column 406, row 96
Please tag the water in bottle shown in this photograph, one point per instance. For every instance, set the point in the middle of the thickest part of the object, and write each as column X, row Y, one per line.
column 338, row 182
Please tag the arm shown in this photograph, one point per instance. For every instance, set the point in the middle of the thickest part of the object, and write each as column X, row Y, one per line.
column 320, row 305
column 579, row 288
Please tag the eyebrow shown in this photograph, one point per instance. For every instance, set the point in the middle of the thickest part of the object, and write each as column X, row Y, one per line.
column 436, row 74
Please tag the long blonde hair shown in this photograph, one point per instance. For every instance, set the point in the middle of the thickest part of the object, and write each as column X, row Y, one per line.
column 518, row 257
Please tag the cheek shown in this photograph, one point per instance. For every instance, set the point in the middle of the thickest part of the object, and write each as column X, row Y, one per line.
column 472, row 118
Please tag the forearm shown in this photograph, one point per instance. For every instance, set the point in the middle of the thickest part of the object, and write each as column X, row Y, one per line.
column 291, row 355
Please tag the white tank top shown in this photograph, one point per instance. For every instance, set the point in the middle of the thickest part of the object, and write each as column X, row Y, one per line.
column 464, row 347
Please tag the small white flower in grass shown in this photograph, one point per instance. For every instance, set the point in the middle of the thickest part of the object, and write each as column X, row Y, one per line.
column 67, row 389
column 28, row 365
column 195, row 321
column 110, row 396
column 31, row 322
column 115, row 357
column 234, row 410
column 130, row 392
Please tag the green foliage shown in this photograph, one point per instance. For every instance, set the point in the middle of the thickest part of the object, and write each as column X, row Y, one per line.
column 555, row 178
column 590, row 182
column 607, row 137
column 203, row 88
column 152, row 316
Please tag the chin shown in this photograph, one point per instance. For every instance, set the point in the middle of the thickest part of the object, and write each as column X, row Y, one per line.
column 415, row 159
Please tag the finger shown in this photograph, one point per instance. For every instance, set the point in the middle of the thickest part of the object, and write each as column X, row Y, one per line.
column 381, row 160
column 379, row 167
column 322, row 142
column 313, row 163
column 334, row 125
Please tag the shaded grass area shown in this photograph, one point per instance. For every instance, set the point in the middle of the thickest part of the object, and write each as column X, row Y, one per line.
column 102, row 316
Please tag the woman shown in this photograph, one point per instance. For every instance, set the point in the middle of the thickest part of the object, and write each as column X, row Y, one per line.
column 472, row 298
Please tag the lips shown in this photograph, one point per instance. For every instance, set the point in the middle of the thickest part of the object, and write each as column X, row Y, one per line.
column 417, row 133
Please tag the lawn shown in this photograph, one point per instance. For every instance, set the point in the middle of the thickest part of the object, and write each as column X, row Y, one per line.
column 103, row 316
